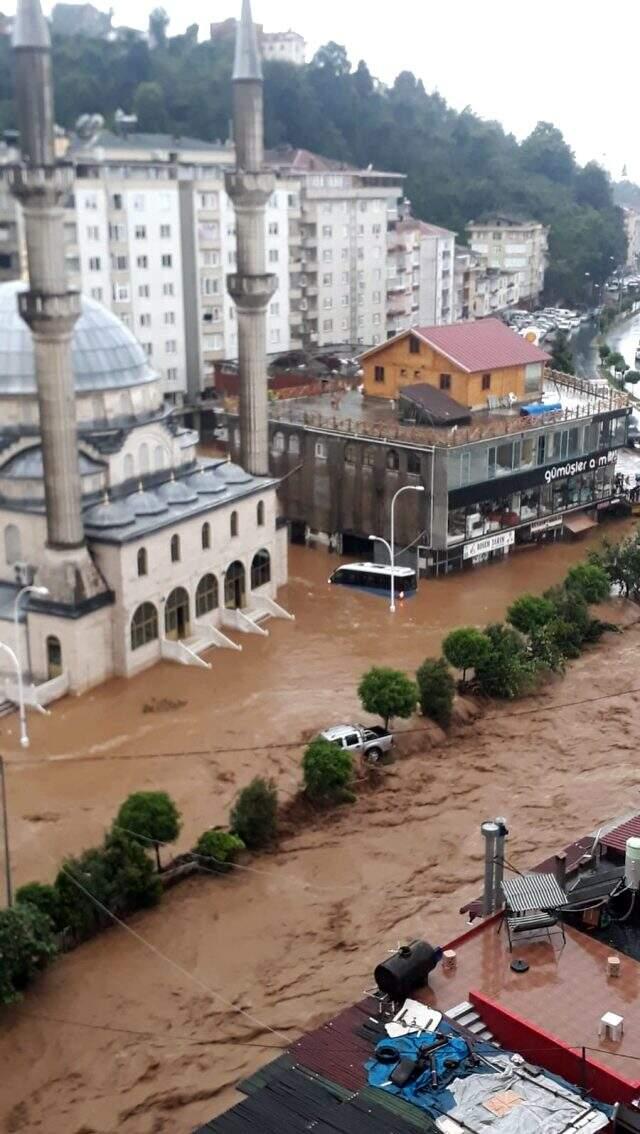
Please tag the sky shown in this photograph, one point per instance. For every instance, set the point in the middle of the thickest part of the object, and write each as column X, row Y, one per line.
column 563, row 61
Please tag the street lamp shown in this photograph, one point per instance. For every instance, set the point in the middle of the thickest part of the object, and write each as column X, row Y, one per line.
column 24, row 736
column 33, row 590
column 390, row 545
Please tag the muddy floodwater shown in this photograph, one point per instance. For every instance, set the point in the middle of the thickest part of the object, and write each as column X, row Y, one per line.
column 114, row 1036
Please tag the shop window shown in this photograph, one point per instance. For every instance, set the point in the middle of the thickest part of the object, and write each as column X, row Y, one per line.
column 574, row 442
column 233, row 524
column 144, row 625
column 294, row 444
column 486, row 381
column 321, row 451
column 142, row 561
column 445, row 381
column 504, row 458
column 414, row 345
column 206, row 537
column 413, row 464
column 527, row 450
column 206, row 595
column 541, row 448
column 175, row 549
column 350, row 454
column 378, row 373
column 393, row 462
column 260, row 569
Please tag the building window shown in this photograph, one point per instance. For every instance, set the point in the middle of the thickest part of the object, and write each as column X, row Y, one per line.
column 233, row 524
column 96, row 293
column 171, row 346
column 413, row 464
column 393, row 462
column 91, row 201
column 129, row 466
column 94, row 263
column 294, row 444
column 143, row 458
column 144, row 291
column 138, row 202
column 54, row 657
column 142, row 561
column 273, row 228
column 378, row 373
column 116, row 201
column 486, row 381
column 176, row 615
column 350, row 454
column 210, row 285
column 274, row 255
column 119, row 263
column 321, row 451
column 165, row 231
column 140, row 232
column 260, row 514
column 327, row 325
column 167, row 289
column 260, row 569
column 158, row 457
column 12, row 545
column 175, row 549
column 144, row 625
column 167, row 260
column 206, row 537
column 370, row 456
column 206, row 595
column 327, row 230
column 345, row 301
column 172, row 374
column 234, row 586
column 169, row 317
column 445, row 381
column 274, row 309
column 278, row 443
column 93, row 232
column 145, row 320
column 327, row 279
column 327, row 255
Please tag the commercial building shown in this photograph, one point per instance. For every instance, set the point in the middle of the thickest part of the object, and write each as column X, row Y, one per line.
column 507, row 452
column 420, row 275
column 514, row 246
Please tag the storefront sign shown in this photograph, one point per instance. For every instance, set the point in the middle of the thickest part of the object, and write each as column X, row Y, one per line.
column 581, row 465
column 489, row 543
column 545, row 525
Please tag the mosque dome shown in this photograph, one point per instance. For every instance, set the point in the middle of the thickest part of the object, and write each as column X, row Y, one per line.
column 105, row 355
column 233, row 474
column 206, row 483
column 109, row 514
column 177, row 492
column 147, row 503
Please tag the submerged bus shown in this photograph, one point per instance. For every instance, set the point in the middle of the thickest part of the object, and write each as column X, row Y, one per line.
column 376, row 577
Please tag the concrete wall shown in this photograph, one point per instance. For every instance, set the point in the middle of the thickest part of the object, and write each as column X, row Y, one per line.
column 87, row 646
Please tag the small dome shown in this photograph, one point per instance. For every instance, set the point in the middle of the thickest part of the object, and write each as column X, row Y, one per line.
column 110, row 514
column 105, row 355
column 177, row 492
column 27, row 465
column 206, row 483
column 233, row 474
column 147, row 503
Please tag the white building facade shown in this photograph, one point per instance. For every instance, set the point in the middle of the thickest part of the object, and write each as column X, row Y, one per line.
column 513, row 246
column 420, row 275
column 287, row 47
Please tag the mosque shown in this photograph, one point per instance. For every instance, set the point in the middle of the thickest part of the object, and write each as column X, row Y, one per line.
column 120, row 546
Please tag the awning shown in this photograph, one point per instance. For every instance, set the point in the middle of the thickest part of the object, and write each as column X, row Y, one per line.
column 578, row 522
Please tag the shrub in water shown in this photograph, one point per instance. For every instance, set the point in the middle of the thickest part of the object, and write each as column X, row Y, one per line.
column 254, row 816
column 436, row 688
column 465, row 647
column 327, row 772
column 27, row 944
column 387, row 693
column 218, row 849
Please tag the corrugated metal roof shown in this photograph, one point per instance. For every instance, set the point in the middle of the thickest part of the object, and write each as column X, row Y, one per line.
column 617, row 838
column 486, row 344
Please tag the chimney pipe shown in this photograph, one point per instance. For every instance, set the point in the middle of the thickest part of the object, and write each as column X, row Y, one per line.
column 490, row 833
column 561, row 870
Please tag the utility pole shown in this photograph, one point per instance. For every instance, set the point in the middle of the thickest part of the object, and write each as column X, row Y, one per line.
column 5, row 830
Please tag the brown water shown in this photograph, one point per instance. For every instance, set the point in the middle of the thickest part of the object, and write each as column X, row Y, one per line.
column 294, row 941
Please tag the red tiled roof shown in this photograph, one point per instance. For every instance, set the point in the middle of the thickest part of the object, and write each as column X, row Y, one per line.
column 617, row 838
column 484, row 345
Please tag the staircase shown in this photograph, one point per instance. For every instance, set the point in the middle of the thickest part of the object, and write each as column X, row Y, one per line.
column 467, row 1017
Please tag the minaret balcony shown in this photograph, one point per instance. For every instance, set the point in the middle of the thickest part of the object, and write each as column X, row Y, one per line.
column 49, row 314
column 49, row 183
column 249, row 190
column 251, row 293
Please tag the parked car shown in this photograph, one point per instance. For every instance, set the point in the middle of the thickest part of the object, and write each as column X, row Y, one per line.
column 370, row 743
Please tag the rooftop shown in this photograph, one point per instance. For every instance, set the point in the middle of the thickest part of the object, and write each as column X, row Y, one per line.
column 486, row 344
column 126, row 143
column 411, row 224
column 376, row 418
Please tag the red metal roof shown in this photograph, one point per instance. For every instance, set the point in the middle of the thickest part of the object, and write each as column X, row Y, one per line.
column 617, row 838
column 486, row 344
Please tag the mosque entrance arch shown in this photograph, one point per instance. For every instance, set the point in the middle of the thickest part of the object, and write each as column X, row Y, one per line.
column 176, row 615
column 54, row 657
column 234, row 586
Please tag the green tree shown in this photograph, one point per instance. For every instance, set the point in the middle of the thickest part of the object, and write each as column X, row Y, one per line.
column 158, row 24
column 149, row 108
column 545, row 647
column 327, row 772
column 593, row 186
column 436, row 689
column 604, row 350
column 465, row 648
column 621, row 561
column 27, row 945
column 132, row 882
column 508, row 671
column 530, row 612
column 617, row 362
column 219, row 848
column 254, row 816
column 387, row 693
column 588, row 580
column 561, row 356
column 546, row 152
column 571, row 608
column 84, row 886
column 44, row 898
column 632, row 376
column 150, row 818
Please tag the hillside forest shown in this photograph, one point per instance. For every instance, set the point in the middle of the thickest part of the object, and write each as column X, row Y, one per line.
column 458, row 166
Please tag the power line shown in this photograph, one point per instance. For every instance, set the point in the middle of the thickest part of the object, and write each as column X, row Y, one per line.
column 170, row 1038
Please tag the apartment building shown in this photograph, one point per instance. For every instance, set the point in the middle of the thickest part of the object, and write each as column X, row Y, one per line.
column 479, row 290
column 513, row 245
column 338, row 248
column 420, row 274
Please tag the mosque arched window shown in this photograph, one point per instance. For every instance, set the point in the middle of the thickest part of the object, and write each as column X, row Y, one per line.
column 144, row 625
column 206, row 536
column 143, row 564
column 175, row 549
column 260, row 513
column 206, row 595
column 129, row 466
column 260, row 569
column 12, row 544
column 144, row 458
column 234, row 524
column 158, row 457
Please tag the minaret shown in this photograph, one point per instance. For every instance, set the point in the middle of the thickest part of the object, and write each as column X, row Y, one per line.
column 251, row 287
column 50, row 308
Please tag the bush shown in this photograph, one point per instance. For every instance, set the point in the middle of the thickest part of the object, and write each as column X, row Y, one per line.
column 119, row 876
column 508, row 671
column 632, row 376
column 436, row 689
column 604, row 351
column 545, row 649
column 571, row 608
column 327, row 772
column 388, row 693
column 27, row 944
column 150, row 818
column 566, row 637
column 589, row 581
column 465, row 648
column 254, row 816
column 133, row 883
column 530, row 612
column 621, row 561
column 220, row 848
column 44, row 898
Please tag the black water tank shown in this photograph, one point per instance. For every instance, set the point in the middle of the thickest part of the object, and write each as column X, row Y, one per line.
column 407, row 969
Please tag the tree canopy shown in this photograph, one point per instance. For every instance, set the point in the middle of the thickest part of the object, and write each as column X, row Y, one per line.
column 458, row 166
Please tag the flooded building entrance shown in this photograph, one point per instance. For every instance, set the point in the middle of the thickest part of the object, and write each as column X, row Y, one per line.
column 176, row 615
column 234, row 586
column 54, row 657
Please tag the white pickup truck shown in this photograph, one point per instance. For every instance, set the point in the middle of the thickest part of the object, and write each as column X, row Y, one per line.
column 370, row 743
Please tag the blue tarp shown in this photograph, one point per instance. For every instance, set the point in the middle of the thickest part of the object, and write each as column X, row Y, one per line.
column 535, row 408
column 420, row 1091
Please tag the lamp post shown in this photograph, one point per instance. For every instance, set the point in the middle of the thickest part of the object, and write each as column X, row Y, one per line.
column 24, row 736
column 5, row 829
column 33, row 590
column 390, row 544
